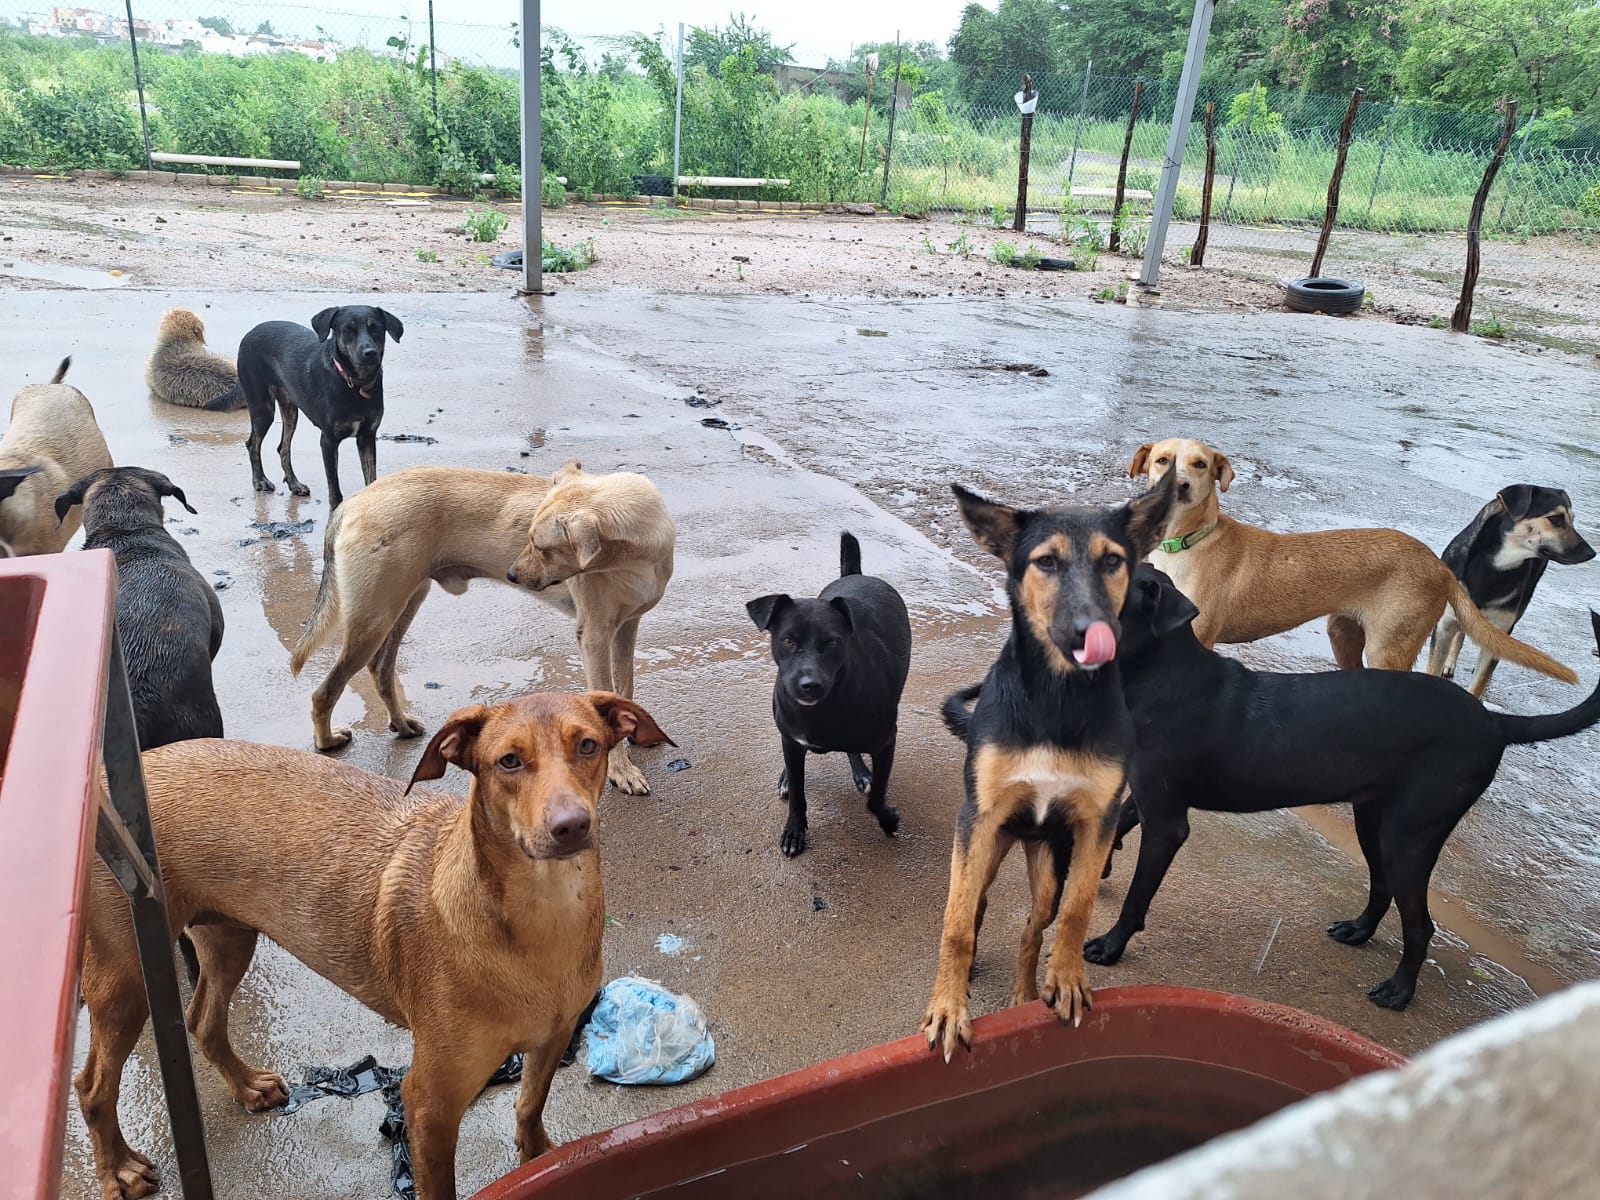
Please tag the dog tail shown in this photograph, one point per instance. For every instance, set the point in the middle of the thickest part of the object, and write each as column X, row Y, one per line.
column 61, row 371
column 1499, row 644
column 849, row 555
column 229, row 401
column 1520, row 730
column 325, row 612
column 957, row 716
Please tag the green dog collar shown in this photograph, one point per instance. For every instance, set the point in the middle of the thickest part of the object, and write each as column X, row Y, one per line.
column 1174, row 545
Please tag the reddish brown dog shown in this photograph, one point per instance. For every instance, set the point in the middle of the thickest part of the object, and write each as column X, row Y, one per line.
column 474, row 921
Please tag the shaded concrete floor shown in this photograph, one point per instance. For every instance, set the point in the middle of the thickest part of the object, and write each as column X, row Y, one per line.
column 1327, row 423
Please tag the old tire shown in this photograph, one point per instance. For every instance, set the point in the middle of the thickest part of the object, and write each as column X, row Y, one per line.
column 1323, row 294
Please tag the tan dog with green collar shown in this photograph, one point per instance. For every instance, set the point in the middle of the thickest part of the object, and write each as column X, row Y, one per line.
column 1381, row 590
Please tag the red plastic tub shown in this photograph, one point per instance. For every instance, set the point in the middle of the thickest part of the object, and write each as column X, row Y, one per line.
column 1036, row 1111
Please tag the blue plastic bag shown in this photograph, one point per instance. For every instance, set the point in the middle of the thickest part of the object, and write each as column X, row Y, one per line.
column 642, row 1033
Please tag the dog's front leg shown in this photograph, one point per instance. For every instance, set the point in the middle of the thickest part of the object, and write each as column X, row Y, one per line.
column 330, row 467
column 596, row 639
column 367, row 452
column 442, row 1082
column 979, row 847
column 538, row 1070
column 1094, row 824
column 792, row 787
column 1161, row 837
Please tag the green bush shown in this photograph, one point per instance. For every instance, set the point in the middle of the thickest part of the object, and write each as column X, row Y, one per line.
column 62, row 124
column 1589, row 202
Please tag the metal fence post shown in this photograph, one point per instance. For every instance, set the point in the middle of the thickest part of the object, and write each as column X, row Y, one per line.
column 138, row 83
column 532, row 154
column 433, row 68
column 1083, row 107
column 894, row 104
column 1383, row 152
column 1238, row 150
column 1511, row 180
column 677, row 119
column 1194, row 58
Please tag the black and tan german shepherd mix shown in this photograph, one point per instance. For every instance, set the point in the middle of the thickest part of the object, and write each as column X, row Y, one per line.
column 1047, row 745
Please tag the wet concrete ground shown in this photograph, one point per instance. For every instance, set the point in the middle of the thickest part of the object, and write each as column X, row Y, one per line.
column 794, row 961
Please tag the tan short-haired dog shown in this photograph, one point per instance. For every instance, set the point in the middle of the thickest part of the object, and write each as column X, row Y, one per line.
column 598, row 547
column 1382, row 591
column 52, row 441
column 181, row 370
column 473, row 921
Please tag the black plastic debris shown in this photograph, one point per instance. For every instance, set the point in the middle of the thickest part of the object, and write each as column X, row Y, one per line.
column 679, row 764
column 701, row 401
column 818, row 904
column 177, row 439
column 421, row 438
column 367, row 1075
column 715, row 423
column 432, row 686
column 283, row 529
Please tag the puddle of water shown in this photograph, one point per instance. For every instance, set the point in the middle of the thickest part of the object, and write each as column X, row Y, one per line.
column 68, row 276
column 1447, row 913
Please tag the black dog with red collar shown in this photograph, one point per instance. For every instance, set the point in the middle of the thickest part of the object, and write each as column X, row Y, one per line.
column 331, row 372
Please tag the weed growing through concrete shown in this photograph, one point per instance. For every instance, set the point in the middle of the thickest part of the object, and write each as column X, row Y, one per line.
column 484, row 225
column 427, row 256
column 308, row 187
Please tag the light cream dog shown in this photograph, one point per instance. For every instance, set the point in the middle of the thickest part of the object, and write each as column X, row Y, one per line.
column 598, row 547
column 1381, row 590
column 52, row 442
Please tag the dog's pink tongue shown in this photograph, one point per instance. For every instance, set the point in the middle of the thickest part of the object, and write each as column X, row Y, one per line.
column 1099, row 645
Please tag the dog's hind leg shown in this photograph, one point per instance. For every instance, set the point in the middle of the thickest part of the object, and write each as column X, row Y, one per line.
column 290, row 416
column 979, row 849
column 878, row 787
column 1369, row 832
column 363, row 638
column 1484, row 672
column 260, row 422
column 113, row 989
column 384, row 676
column 1045, row 883
column 1348, row 638
column 1444, row 647
column 1395, row 649
column 225, row 952
column 1408, row 864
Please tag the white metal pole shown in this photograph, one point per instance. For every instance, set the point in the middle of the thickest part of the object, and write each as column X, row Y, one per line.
column 532, row 155
column 1188, row 87
column 677, row 120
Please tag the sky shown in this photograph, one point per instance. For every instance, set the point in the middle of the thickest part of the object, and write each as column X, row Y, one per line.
column 818, row 29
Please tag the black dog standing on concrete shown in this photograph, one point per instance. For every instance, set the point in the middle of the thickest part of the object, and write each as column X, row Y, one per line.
column 169, row 619
column 842, row 664
column 337, row 381
column 1411, row 752
column 1499, row 559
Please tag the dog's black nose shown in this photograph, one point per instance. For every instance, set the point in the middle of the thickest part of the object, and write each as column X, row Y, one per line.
column 369, row 354
column 569, row 826
column 511, row 576
column 808, row 687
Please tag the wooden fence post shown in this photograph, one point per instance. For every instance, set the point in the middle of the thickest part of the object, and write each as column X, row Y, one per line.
column 1122, row 170
column 1461, row 319
column 1019, row 222
column 1333, row 183
column 1197, row 256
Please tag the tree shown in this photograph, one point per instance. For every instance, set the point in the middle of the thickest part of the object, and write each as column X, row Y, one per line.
column 993, row 48
column 712, row 47
column 218, row 25
column 1471, row 52
column 1332, row 46
column 265, row 29
column 1127, row 37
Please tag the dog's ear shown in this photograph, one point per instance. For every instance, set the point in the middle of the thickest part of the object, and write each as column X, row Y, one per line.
column 1170, row 610
column 625, row 719
column 570, row 469
column 165, row 487
column 1141, row 460
column 764, row 610
column 392, row 324
column 72, row 496
column 841, row 606
column 1222, row 470
column 583, row 535
column 1518, row 500
column 1146, row 517
column 994, row 526
column 452, row 744
column 322, row 324
column 12, row 477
